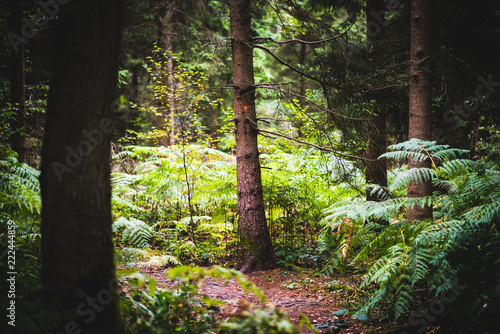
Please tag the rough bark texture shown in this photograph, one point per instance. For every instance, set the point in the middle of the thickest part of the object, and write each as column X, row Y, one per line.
column 18, row 140
column 420, row 121
column 78, row 273
column 376, row 171
column 255, row 243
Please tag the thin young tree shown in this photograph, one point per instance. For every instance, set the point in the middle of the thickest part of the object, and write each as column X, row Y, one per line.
column 256, row 250
column 376, row 170
column 17, row 80
column 78, row 272
column 420, row 85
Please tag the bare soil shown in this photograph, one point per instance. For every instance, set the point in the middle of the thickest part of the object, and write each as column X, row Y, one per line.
column 297, row 292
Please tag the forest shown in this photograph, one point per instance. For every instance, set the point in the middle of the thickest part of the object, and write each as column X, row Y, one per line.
column 250, row 166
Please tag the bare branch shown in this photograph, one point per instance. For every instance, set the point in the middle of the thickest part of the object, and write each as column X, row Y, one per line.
column 314, row 145
column 284, row 62
column 310, row 101
column 302, row 41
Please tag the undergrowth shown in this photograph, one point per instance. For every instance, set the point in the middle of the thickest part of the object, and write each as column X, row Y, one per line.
column 412, row 264
column 149, row 307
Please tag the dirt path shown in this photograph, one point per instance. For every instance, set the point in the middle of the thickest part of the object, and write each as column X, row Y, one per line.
column 299, row 291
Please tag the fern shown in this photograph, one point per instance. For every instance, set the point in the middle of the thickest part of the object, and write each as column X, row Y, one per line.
column 19, row 188
column 462, row 244
column 135, row 231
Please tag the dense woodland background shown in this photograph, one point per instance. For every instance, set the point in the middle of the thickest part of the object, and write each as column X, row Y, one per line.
column 357, row 138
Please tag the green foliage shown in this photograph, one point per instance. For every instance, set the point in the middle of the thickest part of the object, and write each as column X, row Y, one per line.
column 191, row 220
column 185, row 195
column 20, row 203
column 179, row 100
column 404, row 258
column 19, row 187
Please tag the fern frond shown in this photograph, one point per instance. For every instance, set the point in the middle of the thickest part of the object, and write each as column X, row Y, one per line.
column 405, row 297
column 134, row 230
column 412, row 176
column 457, row 166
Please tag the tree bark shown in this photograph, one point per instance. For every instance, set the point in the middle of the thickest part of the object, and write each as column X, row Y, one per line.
column 303, row 88
column 256, row 250
column 474, row 136
column 17, row 82
column 376, row 170
column 165, row 40
column 78, row 273
column 420, row 84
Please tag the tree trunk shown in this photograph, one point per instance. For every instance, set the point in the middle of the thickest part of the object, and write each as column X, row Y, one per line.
column 78, row 273
column 18, row 139
column 474, row 136
column 420, row 121
column 166, row 13
column 376, row 171
column 256, row 250
column 303, row 88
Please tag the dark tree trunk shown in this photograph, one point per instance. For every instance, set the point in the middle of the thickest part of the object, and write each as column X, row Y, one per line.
column 376, row 170
column 18, row 139
column 420, row 121
column 214, row 123
column 303, row 87
column 78, row 273
column 474, row 136
column 134, row 94
column 256, row 248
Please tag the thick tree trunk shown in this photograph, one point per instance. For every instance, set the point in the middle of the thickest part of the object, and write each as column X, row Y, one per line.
column 376, row 171
column 420, row 121
column 78, row 273
column 18, row 140
column 256, row 250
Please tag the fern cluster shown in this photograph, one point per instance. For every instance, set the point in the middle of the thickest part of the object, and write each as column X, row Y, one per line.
column 178, row 199
column 20, row 202
column 411, row 263
column 182, row 199
column 19, row 186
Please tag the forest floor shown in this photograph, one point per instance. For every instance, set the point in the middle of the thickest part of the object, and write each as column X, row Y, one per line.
column 299, row 291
